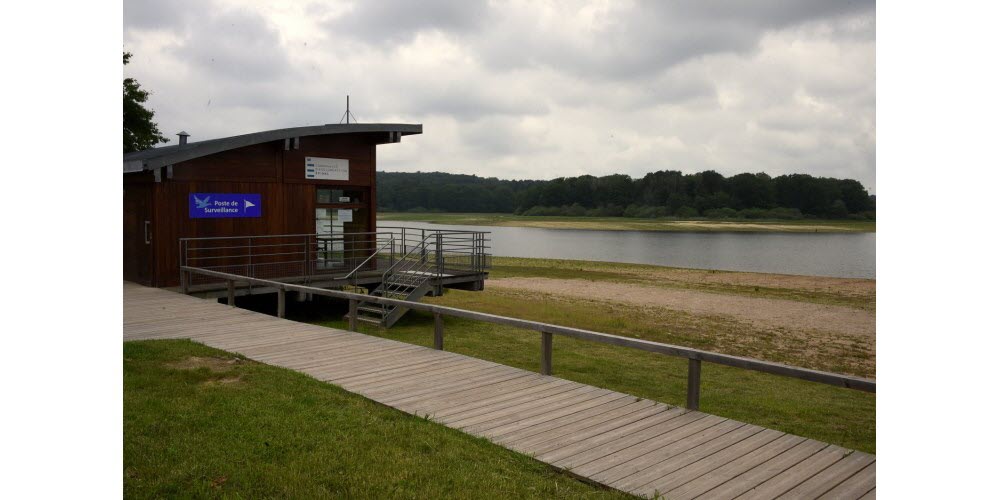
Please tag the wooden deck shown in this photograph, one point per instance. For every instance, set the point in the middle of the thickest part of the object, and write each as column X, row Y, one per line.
column 635, row 445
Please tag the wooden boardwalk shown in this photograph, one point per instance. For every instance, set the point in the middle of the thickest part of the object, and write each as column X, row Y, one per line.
column 628, row 443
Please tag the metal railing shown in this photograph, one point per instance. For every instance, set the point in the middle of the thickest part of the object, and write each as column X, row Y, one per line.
column 305, row 257
column 455, row 250
column 354, row 272
column 694, row 356
column 409, row 275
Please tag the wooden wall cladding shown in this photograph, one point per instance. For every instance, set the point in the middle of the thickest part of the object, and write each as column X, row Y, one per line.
column 252, row 163
column 285, row 209
column 288, row 199
column 359, row 151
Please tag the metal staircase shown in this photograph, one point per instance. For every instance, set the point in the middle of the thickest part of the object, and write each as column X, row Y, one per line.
column 410, row 278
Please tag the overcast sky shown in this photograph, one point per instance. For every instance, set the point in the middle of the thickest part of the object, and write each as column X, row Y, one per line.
column 532, row 90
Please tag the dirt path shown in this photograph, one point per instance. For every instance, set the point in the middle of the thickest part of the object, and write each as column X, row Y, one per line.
column 761, row 312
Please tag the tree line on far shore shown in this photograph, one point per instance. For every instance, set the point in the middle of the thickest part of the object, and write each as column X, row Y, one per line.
column 666, row 193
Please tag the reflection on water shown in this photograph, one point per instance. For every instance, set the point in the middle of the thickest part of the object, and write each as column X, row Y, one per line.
column 846, row 255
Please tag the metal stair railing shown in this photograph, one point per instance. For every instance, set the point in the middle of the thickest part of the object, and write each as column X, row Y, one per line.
column 406, row 276
column 352, row 276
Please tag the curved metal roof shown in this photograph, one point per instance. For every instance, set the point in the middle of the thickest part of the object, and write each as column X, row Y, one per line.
column 168, row 155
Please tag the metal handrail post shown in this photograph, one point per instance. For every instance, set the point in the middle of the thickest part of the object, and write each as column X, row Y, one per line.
column 423, row 253
column 440, row 256
column 250, row 252
column 352, row 315
column 182, row 251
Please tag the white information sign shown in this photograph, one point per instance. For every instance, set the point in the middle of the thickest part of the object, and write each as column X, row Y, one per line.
column 334, row 169
column 345, row 215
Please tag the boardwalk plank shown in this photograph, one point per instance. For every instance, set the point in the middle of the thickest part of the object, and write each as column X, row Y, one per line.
column 604, row 457
column 709, row 463
column 796, row 474
column 463, row 413
column 437, row 384
column 636, row 482
column 650, row 453
column 733, row 468
column 447, row 367
column 531, row 437
column 554, row 455
column 767, row 470
column 833, row 475
column 857, row 486
column 439, row 380
column 590, row 435
column 473, row 399
column 556, row 415
column 472, row 384
column 527, row 409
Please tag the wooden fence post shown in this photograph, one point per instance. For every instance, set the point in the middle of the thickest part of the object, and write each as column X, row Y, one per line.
column 231, row 293
column 352, row 315
column 438, row 331
column 546, row 353
column 281, row 302
column 694, row 383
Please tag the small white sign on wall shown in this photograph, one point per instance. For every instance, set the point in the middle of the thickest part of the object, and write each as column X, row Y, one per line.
column 345, row 215
column 334, row 169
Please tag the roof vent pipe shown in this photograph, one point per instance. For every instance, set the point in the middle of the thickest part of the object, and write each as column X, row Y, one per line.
column 183, row 137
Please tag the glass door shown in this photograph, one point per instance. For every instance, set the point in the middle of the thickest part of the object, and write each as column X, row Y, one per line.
column 342, row 227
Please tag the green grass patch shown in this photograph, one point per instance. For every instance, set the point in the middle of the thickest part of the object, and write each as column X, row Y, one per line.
column 670, row 224
column 200, row 422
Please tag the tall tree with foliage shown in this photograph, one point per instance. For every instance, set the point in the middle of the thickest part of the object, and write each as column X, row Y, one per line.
column 139, row 131
column 657, row 194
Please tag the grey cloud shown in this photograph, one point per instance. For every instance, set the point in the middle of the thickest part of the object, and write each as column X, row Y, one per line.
column 677, row 84
column 471, row 104
column 398, row 21
column 656, row 35
column 235, row 45
column 157, row 14
column 764, row 13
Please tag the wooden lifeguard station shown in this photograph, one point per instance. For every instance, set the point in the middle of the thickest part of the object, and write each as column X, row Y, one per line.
column 293, row 205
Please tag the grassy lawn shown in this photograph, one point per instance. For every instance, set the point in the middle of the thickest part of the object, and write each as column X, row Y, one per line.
column 634, row 224
column 199, row 422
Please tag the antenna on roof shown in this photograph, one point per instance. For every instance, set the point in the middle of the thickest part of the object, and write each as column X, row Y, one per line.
column 347, row 114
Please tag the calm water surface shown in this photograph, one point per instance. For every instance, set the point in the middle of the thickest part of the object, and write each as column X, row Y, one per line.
column 845, row 255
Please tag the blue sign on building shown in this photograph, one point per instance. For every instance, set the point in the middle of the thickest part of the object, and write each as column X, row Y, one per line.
column 223, row 205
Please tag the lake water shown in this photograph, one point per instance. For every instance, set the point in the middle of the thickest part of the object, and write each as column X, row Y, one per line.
column 844, row 255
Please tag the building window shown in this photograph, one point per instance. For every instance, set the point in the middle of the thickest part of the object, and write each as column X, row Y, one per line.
column 335, row 196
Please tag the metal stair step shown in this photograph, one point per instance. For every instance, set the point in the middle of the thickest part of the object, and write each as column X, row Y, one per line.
column 402, row 284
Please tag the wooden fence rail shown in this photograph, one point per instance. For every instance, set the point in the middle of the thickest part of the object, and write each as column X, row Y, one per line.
column 694, row 356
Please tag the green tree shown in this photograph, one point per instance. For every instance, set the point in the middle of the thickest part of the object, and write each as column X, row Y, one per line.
column 139, row 131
